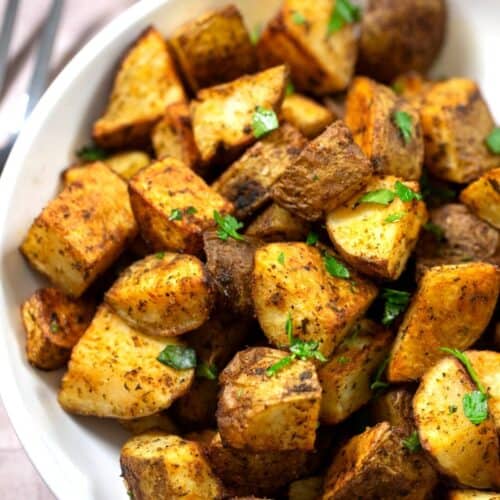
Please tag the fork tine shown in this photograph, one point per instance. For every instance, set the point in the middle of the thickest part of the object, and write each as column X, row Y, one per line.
column 5, row 37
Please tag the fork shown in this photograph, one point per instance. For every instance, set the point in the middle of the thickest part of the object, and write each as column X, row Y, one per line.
column 40, row 73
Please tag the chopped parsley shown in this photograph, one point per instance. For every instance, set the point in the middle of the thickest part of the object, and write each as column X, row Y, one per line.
column 255, row 34
column 334, row 267
column 403, row 121
column 398, row 87
column 412, row 442
column 54, row 324
column 264, row 121
column 380, row 196
column 406, row 194
column 298, row 18
column 190, row 210
column 281, row 258
column 204, row 370
column 312, row 238
column 290, row 89
column 178, row 357
column 436, row 230
column 92, row 152
column 378, row 383
column 343, row 12
column 493, row 141
column 228, row 227
column 395, row 217
column 175, row 214
column 343, row 360
column 160, row 255
column 462, row 357
column 396, row 301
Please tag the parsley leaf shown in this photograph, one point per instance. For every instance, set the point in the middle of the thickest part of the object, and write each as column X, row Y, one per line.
column 312, row 238
column 396, row 302
column 92, row 152
column 377, row 382
column 343, row 13
column 281, row 258
column 228, row 226
column 178, row 357
column 54, row 324
column 204, row 370
column 412, row 442
column 380, row 196
column 298, row 18
column 175, row 214
column 279, row 365
column 264, row 121
column 160, row 255
column 493, row 141
column 405, row 193
column 255, row 34
column 475, row 405
column 190, row 210
column 343, row 360
column 334, row 267
column 395, row 217
column 398, row 87
column 462, row 357
column 436, row 230
column 290, row 89
column 403, row 121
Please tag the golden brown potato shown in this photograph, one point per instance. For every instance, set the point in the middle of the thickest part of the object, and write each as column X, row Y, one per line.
column 157, row 465
column 412, row 86
column 248, row 180
column 81, row 232
column 306, row 489
column 141, row 92
column 113, row 372
column 377, row 464
column 53, row 323
column 451, row 308
column 214, row 48
column 203, row 437
column 222, row 115
column 158, row 421
column 466, row 452
column 173, row 206
column 306, row 115
column 330, row 169
column 166, row 294
column 399, row 36
column 372, row 111
column 346, row 377
column 473, row 494
column 301, row 288
column 320, row 62
column 395, row 407
column 456, row 121
column 483, row 197
column 365, row 236
column 259, row 412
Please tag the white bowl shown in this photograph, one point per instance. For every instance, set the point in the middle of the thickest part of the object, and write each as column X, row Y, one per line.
column 79, row 457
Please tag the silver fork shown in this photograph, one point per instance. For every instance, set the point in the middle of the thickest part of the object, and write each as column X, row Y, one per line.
column 39, row 77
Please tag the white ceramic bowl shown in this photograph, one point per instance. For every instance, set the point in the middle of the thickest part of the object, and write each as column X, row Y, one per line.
column 78, row 457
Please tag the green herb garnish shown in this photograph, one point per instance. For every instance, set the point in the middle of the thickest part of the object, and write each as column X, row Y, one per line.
column 436, row 230
column 264, row 121
column 343, row 12
column 54, row 325
column 204, row 370
column 312, row 238
column 406, row 194
column 395, row 217
column 342, row 360
column 380, row 196
column 403, row 121
column 190, row 210
column 396, row 301
column 412, row 442
column 398, row 87
column 493, row 141
column 462, row 357
column 281, row 258
column 228, row 226
column 92, row 152
column 290, row 89
column 178, row 357
column 334, row 267
column 255, row 34
column 175, row 214
column 160, row 255
column 298, row 18
column 377, row 382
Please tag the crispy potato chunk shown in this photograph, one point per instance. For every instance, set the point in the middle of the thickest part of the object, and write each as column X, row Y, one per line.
column 330, row 169
column 483, row 197
column 113, row 372
column 157, row 465
column 145, row 84
column 173, row 206
column 473, row 494
column 222, row 115
column 456, row 121
column 464, row 451
column 305, row 114
column 158, row 421
column 371, row 113
column 214, row 48
column 323, row 308
column 451, row 308
column 262, row 413
column 166, row 294
column 247, row 181
column 346, row 377
column 376, row 464
column 306, row 489
column 364, row 236
column 81, row 232
column 395, row 407
column 53, row 323
column 412, row 86
column 319, row 62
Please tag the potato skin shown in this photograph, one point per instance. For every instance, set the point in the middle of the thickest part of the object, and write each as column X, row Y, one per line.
column 395, row 407
column 472, row 494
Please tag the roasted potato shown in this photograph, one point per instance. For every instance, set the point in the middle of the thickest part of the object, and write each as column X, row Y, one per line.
column 247, row 182
column 53, row 324
column 412, row 86
column 222, row 116
column 330, row 169
column 141, row 92
column 456, row 121
column 372, row 114
column 158, row 465
column 464, row 451
column 173, row 206
column 214, row 48
column 483, row 197
column 377, row 464
column 346, row 377
column 259, row 412
column 473, row 494
column 399, row 36
column 323, row 308
column 306, row 489
column 81, row 232
column 451, row 308
column 366, row 236
column 157, row 421
column 395, row 407
column 113, row 372
column 321, row 62
column 166, row 294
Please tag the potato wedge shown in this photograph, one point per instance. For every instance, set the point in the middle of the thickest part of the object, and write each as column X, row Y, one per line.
column 141, row 92
column 113, row 372
column 173, row 206
column 466, row 452
column 395, row 407
column 158, row 421
column 306, row 489
column 330, row 169
column 473, row 494
column 258, row 412
column 432, row 320
column 82, row 231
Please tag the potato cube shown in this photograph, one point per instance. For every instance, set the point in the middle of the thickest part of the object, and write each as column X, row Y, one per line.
column 305, row 114
column 330, row 169
column 323, row 308
column 166, row 294
column 157, row 421
column 394, row 406
column 113, row 372
column 451, row 308
column 412, row 86
column 146, row 83
column 472, row 495
column 366, row 236
column 320, row 62
column 262, row 413
column 456, row 121
column 158, row 465
column 214, row 48
column 173, row 206
column 82, row 231
column 223, row 115
column 372, row 114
